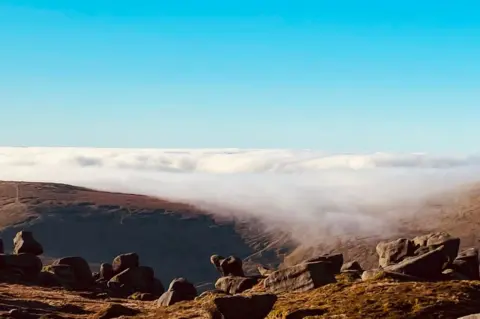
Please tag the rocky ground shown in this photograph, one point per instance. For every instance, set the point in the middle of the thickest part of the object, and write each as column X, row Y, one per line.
column 423, row 277
column 430, row 271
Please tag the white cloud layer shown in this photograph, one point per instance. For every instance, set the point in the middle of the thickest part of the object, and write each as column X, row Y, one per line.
column 310, row 194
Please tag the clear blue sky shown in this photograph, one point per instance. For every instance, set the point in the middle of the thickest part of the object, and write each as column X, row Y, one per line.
column 341, row 76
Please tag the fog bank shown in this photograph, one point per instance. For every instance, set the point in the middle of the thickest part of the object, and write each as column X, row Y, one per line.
column 309, row 194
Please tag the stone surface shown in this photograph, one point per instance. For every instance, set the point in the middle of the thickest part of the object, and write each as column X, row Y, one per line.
column 179, row 290
column 106, row 271
column 336, row 261
column 301, row 277
column 138, row 279
column 434, row 240
column 427, row 266
column 80, row 267
column 235, row 285
column 467, row 263
column 232, row 266
column 125, row 261
column 64, row 274
column 395, row 251
column 24, row 242
column 29, row 264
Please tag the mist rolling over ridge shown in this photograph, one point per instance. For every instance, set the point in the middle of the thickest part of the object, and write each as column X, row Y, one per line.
column 309, row 195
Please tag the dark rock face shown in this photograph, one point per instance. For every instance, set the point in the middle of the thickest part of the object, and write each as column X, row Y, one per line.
column 106, row 272
column 351, row 266
column 215, row 261
column 125, row 261
column 29, row 265
column 62, row 274
column 235, row 285
column 179, row 290
column 232, row 266
column 301, row 277
column 241, row 307
column 25, row 243
column 428, row 266
column 467, row 263
column 138, row 279
column 183, row 286
column 434, row 240
column 80, row 267
column 336, row 261
column 393, row 252
column 2, row 250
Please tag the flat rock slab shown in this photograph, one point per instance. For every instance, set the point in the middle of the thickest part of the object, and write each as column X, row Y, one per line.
column 301, row 277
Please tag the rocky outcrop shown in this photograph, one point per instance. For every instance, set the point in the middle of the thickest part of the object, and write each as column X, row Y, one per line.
column 61, row 274
column 232, row 266
column 467, row 264
column 28, row 265
column 301, row 277
column 106, row 272
column 394, row 251
column 125, row 261
column 429, row 265
column 235, row 285
column 137, row 279
column 179, row 290
column 24, row 243
column 335, row 261
column 434, row 240
column 81, row 270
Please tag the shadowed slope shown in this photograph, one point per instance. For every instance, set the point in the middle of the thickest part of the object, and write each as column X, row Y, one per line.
column 175, row 239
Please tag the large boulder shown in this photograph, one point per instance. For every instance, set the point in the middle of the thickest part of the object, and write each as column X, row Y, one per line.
column 24, row 243
column 335, row 260
column 235, row 285
column 395, row 251
column 29, row 264
column 106, row 272
column 215, row 261
column 125, row 261
column 427, row 266
column 241, row 307
column 467, row 263
column 301, row 277
column 138, row 279
column 434, row 240
column 232, row 266
column 81, row 270
column 63, row 275
column 179, row 290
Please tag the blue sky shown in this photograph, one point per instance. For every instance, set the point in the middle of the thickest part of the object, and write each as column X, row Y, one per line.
column 340, row 76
